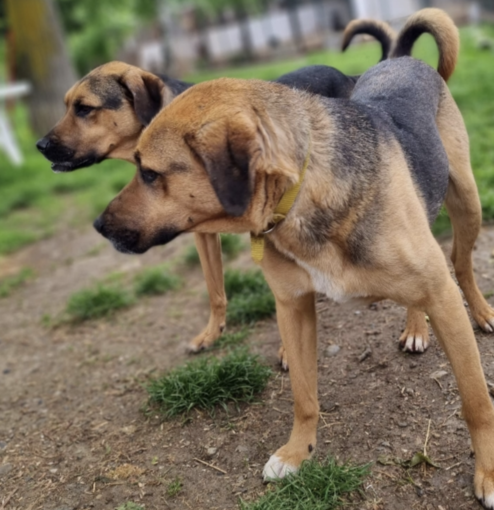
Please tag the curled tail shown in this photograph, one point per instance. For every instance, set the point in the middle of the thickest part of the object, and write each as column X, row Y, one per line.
column 378, row 29
column 437, row 23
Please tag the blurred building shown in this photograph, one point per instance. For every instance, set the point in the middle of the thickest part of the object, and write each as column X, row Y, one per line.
column 191, row 37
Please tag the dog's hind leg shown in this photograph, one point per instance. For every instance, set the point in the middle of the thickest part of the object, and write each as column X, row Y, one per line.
column 209, row 249
column 463, row 206
column 415, row 338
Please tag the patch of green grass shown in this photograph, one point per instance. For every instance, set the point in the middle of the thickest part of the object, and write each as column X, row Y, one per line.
column 191, row 256
column 250, row 308
column 207, row 383
column 97, row 302
column 12, row 240
column 317, row 486
column 232, row 339
column 156, row 280
column 34, row 200
column 249, row 297
column 12, row 282
column 231, row 245
column 174, row 488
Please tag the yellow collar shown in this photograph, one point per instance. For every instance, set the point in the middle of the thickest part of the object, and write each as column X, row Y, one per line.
column 280, row 213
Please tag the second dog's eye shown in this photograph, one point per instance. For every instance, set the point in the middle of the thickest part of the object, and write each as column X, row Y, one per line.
column 149, row 176
column 82, row 110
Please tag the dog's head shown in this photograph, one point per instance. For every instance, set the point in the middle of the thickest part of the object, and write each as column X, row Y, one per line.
column 214, row 160
column 106, row 112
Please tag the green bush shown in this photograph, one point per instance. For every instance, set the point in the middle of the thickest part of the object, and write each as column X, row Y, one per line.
column 249, row 297
column 98, row 302
column 231, row 245
column 232, row 339
column 9, row 283
column 191, row 256
column 209, row 382
column 156, row 280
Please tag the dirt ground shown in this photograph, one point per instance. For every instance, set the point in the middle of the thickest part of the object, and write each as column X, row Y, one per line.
column 72, row 434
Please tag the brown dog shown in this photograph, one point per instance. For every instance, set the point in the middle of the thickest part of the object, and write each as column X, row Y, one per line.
column 222, row 155
column 107, row 110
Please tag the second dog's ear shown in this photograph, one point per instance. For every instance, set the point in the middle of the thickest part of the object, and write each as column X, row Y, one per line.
column 146, row 92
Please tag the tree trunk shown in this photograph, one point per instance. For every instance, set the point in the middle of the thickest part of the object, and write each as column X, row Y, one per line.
column 41, row 58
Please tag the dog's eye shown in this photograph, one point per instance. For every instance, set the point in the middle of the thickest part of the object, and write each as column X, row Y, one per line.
column 149, row 176
column 82, row 110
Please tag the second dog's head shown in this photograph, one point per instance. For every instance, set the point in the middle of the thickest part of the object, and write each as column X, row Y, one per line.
column 214, row 160
column 106, row 112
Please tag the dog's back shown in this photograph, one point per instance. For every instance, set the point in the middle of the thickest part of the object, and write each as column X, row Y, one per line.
column 322, row 80
column 405, row 93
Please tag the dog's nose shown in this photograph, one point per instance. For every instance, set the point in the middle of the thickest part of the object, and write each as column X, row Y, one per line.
column 43, row 144
column 99, row 225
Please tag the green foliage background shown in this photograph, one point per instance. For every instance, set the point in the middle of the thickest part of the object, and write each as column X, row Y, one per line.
column 96, row 29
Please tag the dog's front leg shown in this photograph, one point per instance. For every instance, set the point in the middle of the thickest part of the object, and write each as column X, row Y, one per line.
column 452, row 327
column 209, row 249
column 296, row 316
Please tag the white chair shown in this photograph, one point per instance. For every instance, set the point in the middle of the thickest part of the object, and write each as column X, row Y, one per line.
column 7, row 139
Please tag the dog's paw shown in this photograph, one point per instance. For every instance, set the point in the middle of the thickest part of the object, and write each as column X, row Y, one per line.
column 415, row 338
column 288, row 458
column 484, row 488
column 415, row 343
column 282, row 358
column 206, row 338
column 484, row 318
column 276, row 469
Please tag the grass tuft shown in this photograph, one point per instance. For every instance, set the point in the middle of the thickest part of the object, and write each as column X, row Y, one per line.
column 174, row 488
column 231, row 245
column 232, row 339
column 317, row 486
column 249, row 297
column 206, row 383
column 191, row 256
column 155, row 281
column 98, row 302
column 12, row 282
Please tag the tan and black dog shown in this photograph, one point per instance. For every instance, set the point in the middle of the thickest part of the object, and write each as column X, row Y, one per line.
column 107, row 110
column 373, row 172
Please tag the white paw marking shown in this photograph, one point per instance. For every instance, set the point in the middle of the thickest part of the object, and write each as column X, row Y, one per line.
column 487, row 502
column 414, row 344
column 488, row 326
column 276, row 469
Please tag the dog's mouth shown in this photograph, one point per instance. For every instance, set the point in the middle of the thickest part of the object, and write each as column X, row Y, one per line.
column 69, row 166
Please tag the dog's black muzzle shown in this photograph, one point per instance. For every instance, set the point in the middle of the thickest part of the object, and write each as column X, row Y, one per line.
column 128, row 240
column 62, row 157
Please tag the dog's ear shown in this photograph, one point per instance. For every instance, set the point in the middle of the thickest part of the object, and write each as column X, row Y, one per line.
column 145, row 91
column 234, row 151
